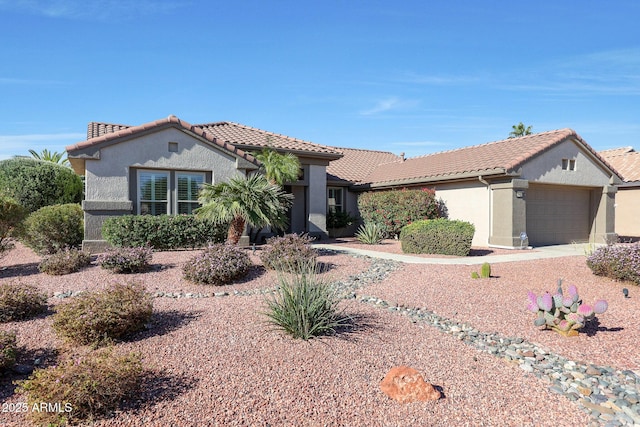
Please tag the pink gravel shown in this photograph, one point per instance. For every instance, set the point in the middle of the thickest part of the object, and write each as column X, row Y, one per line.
column 219, row 364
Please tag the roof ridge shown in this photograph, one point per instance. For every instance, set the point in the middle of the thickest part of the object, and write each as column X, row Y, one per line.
column 364, row 149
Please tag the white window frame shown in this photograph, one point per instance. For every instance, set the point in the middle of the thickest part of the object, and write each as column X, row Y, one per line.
column 179, row 174
column 167, row 174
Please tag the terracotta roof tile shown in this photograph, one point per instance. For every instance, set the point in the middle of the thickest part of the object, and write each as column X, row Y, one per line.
column 626, row 161
column 248, row 137
column 493, row 157
column 95, row 129
column 356, row 164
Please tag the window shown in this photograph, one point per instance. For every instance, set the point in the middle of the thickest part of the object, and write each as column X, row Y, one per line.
column 188, row 187
column 153, row 192
column 568, row 164
column 334, row 199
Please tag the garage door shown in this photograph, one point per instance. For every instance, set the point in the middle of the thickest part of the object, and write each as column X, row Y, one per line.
column 557, row 214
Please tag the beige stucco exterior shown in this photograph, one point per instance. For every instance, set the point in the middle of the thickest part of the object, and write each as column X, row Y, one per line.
column 627, row 211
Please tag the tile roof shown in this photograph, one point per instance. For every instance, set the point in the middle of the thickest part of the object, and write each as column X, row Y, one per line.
column 626, row 161
column 498, row 157
column 252, row 138
column 356, row 164
column 95, row 129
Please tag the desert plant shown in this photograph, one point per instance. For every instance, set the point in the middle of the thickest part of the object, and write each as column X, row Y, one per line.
column 11, row 216
column 8, row 349
column 563, row 313
column 217, row 265
column 475, row 275
column 394, row 209
column 99, row 317
column 85, row 387
column 36, row 183
column 20, row 301
column 485, row 270
column 304, row 306
column 619, row 262
column 339, row 219
column 242, row 201
column 162, row 232
column 65, row 261
column 289, row 253
column 437, row 236
column 126, row 260
column 369, row 233
column 52, row 228
column 278, row 168
column 51, row 156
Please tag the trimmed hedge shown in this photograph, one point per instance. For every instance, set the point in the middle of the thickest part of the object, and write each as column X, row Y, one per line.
column 394, row 209
column 52, row 228
column 36, row 183
column 11, row 216
column 619, row 262
column 162, row 232
column 437, row 236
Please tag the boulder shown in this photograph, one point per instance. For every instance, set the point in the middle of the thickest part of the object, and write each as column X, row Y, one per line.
column 406, row 385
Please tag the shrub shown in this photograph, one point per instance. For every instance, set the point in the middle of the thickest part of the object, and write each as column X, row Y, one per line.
column 304, row 306
column 369, row 233
column 126, row 260
column 437, row 236
column 290, row 252
column 340, row 219
column 619, row 262
column 11, row 216
column 65, row 261
column 85, row 386
column 162, row 232
column 52, row 228
column 99, row 317
column 394, row 209
column 20, row 301
column 219, row 264
column 35, row 183
column 8, row 349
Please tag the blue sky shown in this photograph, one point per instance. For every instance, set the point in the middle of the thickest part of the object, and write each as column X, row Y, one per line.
column 402, row 76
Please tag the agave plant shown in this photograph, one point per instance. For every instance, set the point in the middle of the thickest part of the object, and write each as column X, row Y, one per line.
column 369, row 233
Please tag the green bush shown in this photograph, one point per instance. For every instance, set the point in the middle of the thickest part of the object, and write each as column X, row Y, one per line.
column 8, row 349
column 290, row 252
column 217, row 265
column 304, row 306
column 126, row 260
column 163, row 232
column 97, row 318
column 340, row 219
column 394, row 209
column 20, row 301
column 11, row 216
column 52, row 228
column 437, row 236
column 619, row 262
column 65, row 261
column 35, row 183
column 86, row 387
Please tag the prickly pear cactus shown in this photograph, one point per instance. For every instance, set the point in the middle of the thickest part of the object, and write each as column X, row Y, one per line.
column 564, row 313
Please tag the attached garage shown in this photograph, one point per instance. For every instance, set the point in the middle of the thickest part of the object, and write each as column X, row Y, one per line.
column 558, row 214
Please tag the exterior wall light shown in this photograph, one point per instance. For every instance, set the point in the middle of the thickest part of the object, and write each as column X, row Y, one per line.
column 520, row 194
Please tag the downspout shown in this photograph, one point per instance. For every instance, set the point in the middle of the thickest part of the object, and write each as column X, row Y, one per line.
column 486, row 183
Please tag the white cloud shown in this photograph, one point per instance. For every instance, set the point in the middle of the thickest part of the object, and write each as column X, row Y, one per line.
column 12, row 145
column 389, row 104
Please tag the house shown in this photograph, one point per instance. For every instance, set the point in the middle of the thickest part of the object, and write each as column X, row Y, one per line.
column 551, row 187
column 156, row 168
column 627, row 162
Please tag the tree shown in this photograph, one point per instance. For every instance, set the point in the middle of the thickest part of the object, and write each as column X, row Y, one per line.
column 279, row 168
column 244, row 200
column 520, row 130
column 50, row 156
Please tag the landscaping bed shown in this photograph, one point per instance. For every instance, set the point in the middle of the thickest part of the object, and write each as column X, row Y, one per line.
column 218, row 363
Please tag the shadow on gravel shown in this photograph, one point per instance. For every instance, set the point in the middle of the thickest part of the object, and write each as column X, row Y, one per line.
column 157, row 388
column 25, row 364
column 19, row 270
column 253, row 273
column 163, row 322
column 357, row 324
column 593, row 327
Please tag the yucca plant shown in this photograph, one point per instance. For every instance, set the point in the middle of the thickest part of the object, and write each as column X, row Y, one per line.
column 369, row 233
column 304, row 306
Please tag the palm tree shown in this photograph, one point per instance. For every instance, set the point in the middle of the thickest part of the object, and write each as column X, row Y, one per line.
column 50, row 156
column 279, row 168
column 520, row 130
column 244, row 200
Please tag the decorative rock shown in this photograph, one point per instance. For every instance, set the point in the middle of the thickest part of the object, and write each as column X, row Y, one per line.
column 22, row 369
column 591, row 370
column 406, row 385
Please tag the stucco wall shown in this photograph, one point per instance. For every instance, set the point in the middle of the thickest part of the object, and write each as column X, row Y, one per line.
column 469, row 201
column 627, row 212
column 317, row 201
column 547, row 167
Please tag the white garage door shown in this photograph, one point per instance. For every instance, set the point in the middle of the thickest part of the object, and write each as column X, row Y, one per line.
column 557, row 214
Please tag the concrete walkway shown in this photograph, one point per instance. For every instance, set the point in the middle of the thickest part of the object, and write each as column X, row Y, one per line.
column 542, row 252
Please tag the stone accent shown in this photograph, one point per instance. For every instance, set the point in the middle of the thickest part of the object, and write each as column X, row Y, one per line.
column 407, row 385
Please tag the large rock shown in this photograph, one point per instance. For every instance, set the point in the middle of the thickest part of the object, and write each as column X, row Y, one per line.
column 406, row 385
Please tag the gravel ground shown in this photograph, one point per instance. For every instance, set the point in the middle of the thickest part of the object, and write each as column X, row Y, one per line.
column 217, row 363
